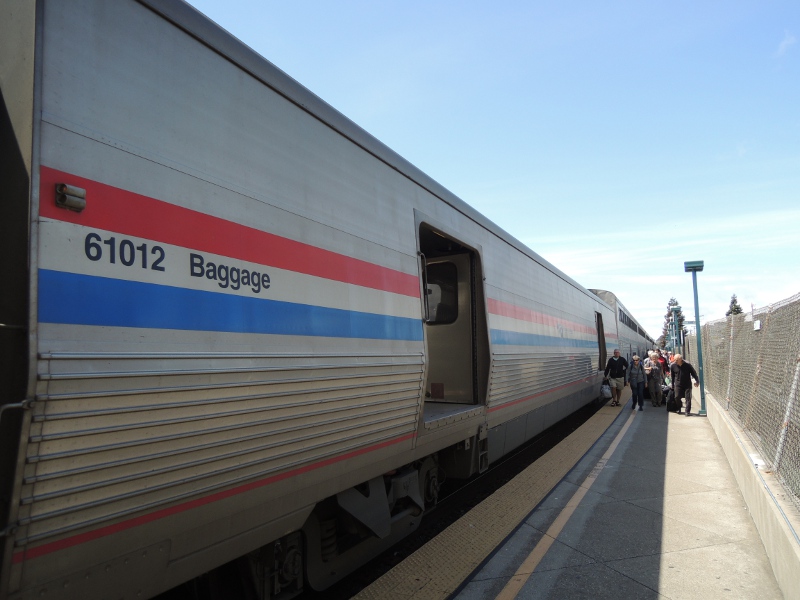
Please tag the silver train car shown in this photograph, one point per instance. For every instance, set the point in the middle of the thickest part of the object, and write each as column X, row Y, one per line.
column 632, row 339
column 235, row 325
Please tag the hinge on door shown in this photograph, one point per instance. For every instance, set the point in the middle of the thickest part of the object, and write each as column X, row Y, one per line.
column 425, row 292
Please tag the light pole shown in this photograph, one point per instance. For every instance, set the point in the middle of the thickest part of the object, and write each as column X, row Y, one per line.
column 676, row 328
column 668, row 339
column 694, row 266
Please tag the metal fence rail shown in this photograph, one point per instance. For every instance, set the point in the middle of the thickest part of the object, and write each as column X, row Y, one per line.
column 752, row 360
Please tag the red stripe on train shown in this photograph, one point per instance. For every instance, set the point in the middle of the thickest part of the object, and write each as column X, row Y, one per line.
column 122, row 211
column 504, row 309
column 531, row 397
column 81, row 538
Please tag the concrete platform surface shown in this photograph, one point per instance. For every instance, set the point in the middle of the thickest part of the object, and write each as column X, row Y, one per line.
column 651, row 511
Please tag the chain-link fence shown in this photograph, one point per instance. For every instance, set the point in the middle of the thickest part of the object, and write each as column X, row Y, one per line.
column 752, row 365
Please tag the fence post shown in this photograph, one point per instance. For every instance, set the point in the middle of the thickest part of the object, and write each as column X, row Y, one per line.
column 753, row 400
column 787, row 415
column 730, row 370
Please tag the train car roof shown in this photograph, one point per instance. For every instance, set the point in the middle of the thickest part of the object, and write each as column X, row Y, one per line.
column 206, row 31
column 611, row 299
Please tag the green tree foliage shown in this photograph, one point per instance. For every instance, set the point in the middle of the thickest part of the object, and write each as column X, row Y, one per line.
column 734, row 308
column 665, row 338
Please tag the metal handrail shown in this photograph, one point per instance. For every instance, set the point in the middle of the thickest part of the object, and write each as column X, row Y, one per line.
column 11, row 528
column 24, row 405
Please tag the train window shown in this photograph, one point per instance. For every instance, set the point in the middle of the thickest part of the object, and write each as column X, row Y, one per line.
column 442, row 284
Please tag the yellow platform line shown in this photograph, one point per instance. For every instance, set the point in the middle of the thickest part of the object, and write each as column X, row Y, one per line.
column 528, row 566
column 437, row 569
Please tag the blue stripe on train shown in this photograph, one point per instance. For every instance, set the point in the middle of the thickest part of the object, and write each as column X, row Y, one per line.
column 85, row 300
column 514, row 338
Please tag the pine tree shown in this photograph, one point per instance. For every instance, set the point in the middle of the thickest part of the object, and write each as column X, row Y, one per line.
column 734, row 308
column 665, row 331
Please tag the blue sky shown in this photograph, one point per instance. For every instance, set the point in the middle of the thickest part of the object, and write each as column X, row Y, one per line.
column 616, row 139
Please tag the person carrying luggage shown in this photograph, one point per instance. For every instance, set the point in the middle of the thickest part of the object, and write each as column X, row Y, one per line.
column 615, row 373
column 682, row 374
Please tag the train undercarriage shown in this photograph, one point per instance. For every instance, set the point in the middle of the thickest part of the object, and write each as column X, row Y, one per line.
column 343, row 533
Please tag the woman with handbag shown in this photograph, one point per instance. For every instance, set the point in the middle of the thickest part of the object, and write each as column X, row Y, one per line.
column 654, row 378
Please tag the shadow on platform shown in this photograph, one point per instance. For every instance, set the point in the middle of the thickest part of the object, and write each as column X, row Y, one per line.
column 663, row 517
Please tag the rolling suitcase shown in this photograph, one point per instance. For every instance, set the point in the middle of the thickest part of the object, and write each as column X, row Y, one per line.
column 673, row 405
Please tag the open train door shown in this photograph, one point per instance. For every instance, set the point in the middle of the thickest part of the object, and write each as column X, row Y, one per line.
column 601, row 342
column 454, row 314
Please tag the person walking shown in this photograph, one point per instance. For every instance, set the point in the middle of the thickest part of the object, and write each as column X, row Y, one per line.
column 655, row 378
column 663, row 362
column 637, row 378
column 615, row 373
column 682, row 374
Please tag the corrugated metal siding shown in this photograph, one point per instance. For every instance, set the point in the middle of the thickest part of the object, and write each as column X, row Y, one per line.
column 516, row 375
column 115, row 434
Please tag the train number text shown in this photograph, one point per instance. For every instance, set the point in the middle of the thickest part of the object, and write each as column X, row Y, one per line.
column 123, row 250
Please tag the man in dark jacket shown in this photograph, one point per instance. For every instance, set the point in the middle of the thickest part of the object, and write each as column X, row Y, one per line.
column 682, row 374
column 616, row 370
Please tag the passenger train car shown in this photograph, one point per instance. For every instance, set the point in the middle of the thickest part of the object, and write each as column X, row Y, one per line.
column 632, row 338
column 235, row 325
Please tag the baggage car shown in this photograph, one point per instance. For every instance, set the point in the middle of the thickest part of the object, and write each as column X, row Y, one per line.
column 235, row 325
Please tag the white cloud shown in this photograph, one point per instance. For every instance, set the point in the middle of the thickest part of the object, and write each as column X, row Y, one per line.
column 788, row 41
column 752, row 255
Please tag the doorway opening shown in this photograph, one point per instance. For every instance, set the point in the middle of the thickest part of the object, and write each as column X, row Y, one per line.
column 454, row 315
column 601, row 342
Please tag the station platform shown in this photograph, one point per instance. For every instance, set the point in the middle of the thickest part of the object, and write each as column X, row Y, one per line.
column 634, row 504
